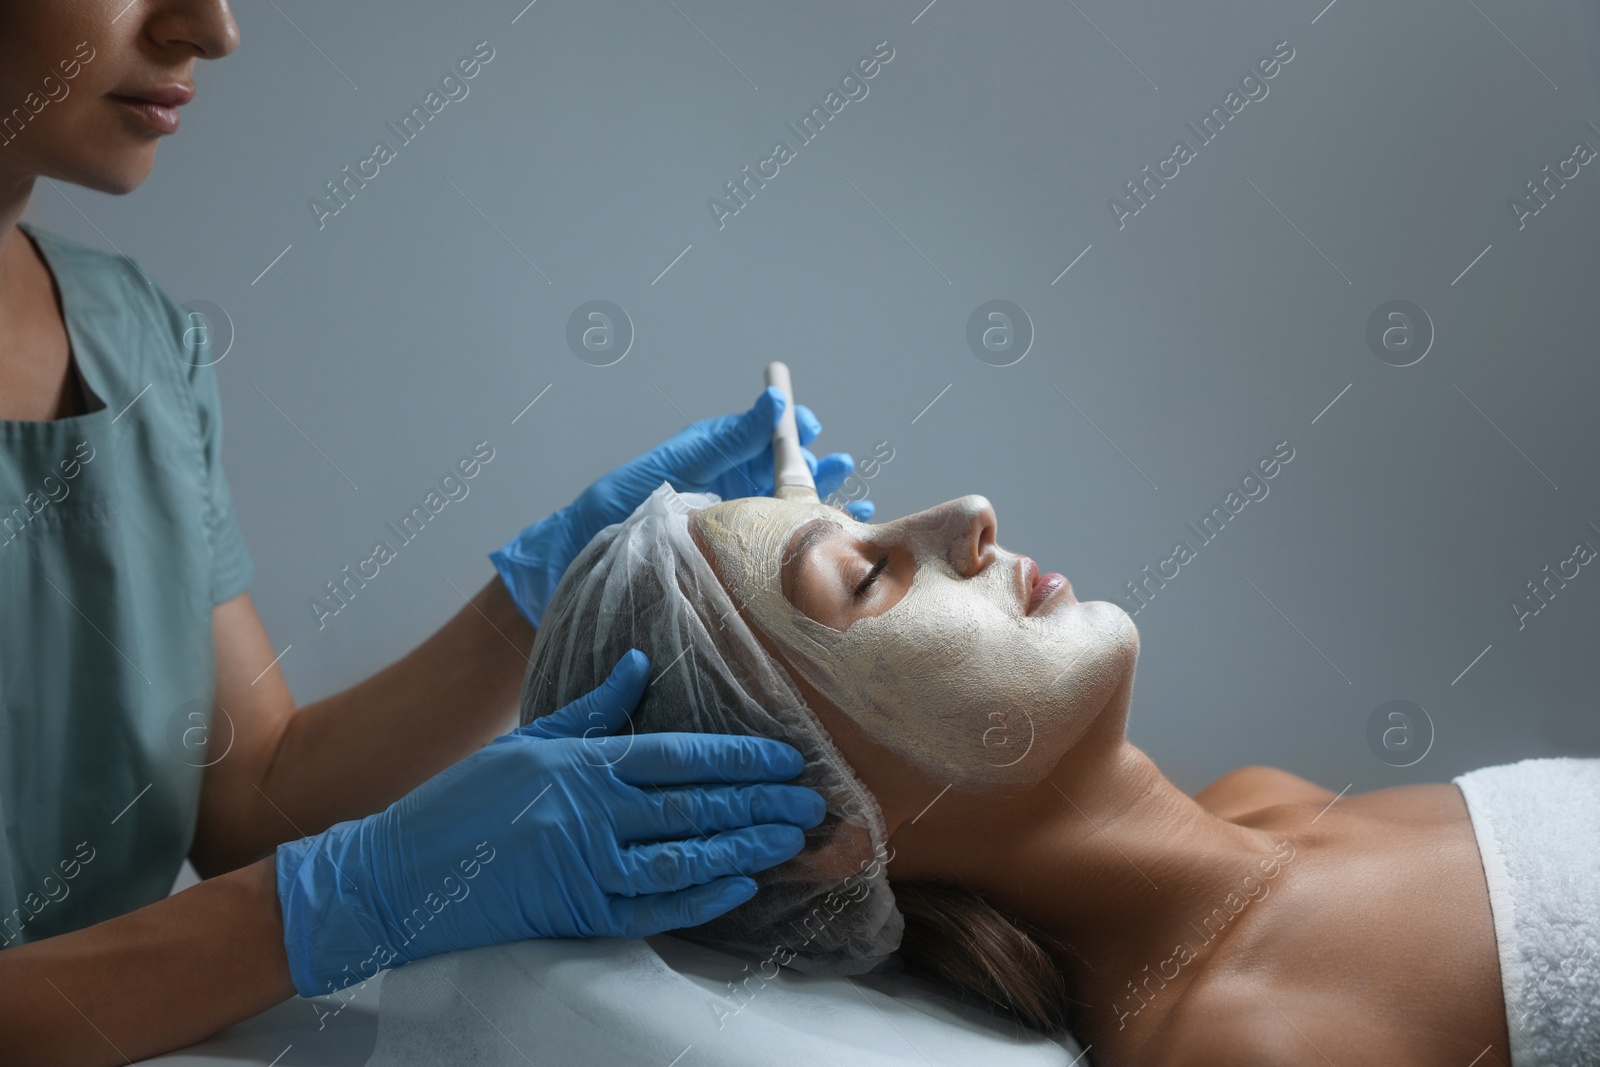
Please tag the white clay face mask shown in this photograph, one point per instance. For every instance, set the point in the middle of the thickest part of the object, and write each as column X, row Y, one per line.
column 954, row 678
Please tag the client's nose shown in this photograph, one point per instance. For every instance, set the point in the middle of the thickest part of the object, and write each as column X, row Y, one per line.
column 972, row 524
column 961, row 530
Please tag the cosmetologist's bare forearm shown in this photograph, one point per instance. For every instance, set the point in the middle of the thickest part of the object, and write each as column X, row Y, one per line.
column 155, row 979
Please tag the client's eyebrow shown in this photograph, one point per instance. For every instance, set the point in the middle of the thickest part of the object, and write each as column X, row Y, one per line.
column 805, row 539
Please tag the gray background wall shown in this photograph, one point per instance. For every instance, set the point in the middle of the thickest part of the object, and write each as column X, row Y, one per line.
column 1174, row 353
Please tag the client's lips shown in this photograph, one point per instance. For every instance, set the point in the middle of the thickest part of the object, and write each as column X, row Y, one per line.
column 158, row 108
column 1040, row 587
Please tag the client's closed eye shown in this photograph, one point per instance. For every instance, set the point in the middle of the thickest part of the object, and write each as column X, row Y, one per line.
column 835, row 579
column 872, row 576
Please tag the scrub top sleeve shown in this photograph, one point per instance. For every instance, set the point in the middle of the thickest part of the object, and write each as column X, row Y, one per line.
column 191, row 338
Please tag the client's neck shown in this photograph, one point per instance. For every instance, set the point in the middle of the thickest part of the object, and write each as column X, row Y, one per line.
column 1110, row 859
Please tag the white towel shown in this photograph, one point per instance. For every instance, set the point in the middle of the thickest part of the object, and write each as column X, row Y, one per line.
column 1538, row 829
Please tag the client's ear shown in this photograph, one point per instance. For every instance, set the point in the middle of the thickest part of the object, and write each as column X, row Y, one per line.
column 902, row 791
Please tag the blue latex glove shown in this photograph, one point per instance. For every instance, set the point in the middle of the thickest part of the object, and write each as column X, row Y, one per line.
column 730, row 455
column 553, row 830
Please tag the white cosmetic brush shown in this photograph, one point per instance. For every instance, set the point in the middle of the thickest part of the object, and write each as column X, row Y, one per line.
column 791, row 478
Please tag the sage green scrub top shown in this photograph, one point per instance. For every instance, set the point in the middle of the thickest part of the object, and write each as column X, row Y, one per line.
column 117, row 536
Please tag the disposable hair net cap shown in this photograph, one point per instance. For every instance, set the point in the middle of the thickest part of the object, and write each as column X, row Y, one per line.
column 643, row 583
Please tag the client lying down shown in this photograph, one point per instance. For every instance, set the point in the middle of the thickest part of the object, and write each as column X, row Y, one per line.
column 988, row 819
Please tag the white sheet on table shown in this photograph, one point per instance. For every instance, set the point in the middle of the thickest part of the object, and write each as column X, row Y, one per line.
column 621, row 1003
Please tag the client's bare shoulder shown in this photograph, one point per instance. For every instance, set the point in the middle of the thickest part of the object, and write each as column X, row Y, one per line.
column 1375, row 944
column 1242, row 1023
